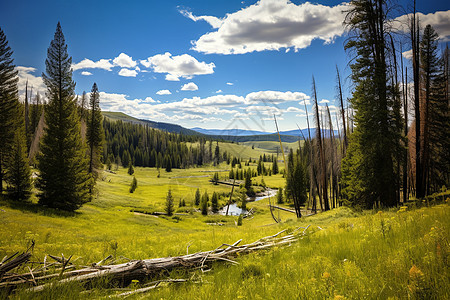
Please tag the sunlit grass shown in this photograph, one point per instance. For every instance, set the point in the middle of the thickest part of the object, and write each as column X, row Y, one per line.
column 397, row 253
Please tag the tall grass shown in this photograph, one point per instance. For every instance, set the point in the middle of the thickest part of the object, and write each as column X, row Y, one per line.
column 368, row 255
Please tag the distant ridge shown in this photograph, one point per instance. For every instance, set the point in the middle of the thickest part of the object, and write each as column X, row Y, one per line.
column 235, row 131
column 232, row 135
column 157, row 125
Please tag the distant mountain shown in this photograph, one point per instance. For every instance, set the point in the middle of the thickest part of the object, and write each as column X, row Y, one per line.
column 234, row 132
column 157, row 125
column 232, row 135
column 296, row 132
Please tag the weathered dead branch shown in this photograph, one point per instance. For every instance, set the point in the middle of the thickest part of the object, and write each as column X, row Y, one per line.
column 124, row 273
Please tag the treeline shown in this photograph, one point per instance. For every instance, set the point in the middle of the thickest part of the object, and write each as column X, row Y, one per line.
column 380, row 156
column 143, row 146
column 67, row 164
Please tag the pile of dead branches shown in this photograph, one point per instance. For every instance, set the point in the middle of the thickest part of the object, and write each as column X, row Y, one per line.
column 63, row 271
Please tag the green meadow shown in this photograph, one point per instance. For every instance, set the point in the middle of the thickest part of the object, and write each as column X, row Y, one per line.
column 398, row 254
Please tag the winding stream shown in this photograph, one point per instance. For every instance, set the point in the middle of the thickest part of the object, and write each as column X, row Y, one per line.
column 234, row 210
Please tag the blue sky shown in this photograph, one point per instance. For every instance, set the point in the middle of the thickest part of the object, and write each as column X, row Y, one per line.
column 211, row 64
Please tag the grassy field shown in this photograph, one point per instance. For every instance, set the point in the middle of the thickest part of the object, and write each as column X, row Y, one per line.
column 398, row 253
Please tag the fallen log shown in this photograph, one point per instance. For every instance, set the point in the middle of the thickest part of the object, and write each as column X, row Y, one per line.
column 146, row 269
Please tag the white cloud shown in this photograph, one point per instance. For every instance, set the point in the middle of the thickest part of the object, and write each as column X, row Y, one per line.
column 150, row 100
column 294, row 109
column 170, row 77
column 407, row 54
column 104, row 64
column 124, row 61
column 324, row 101
column 86, row 73
column 275, row 97
column 440, row 21
column 213, row 21
column 183, row 65
column 271, row 25
column 34, row 82
column 189, row 87
column 306, row 101
column 266, row 110
column 163, row 92
column 134, row 107
column 218, row 91
column 127, row 73
column 229, row 83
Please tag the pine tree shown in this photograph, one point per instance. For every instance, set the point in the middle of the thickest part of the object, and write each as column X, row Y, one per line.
column 130, row 169
column 9, row 104
column 369, row 172
column 94, row 132
column 296, row 181
column 18, row 176
column 214, row 203
column 244, row 199
column 204, row 203
column 197, row 197
column 133, row 185
column 63, row 180
column 215, row 179
column 275, row 167
column 280, row 196
column 169, row 208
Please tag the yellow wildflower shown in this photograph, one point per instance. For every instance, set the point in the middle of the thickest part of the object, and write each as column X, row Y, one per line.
column 415, row 273
column 326, row 275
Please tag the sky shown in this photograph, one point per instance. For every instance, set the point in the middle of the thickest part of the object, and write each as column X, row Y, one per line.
column 200, row 63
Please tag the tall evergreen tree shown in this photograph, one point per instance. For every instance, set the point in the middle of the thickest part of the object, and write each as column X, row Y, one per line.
column 94, row 131
column 18, row 175
column 63, row 180
column 169, row 208
column 368, row 170
column 197, row 197
column 296, row 181
column 204, row 203
column 215, row 203
column 9, row 104
column 429, row 70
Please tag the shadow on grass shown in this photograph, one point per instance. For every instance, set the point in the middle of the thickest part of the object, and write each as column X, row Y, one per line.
column 36, row 208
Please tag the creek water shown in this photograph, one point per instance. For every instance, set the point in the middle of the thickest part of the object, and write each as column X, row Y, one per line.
column 234, row 210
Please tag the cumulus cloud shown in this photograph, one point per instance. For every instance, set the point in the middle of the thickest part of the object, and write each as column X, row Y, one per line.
column 127, row 72
column 104, row 64
column 150, row 100
column 34, row 82
column 189, row 87
column 213, row 21
column 134, row 107
column 218, row 91
column 440, row 21
column 184, row 66
column 275, row 97
column 124, row 61
column 163, row 92
column 271, row 25
column 324, row 101
column 407, row 54
column 294, row 109
column 229, row 83
column 86, row 73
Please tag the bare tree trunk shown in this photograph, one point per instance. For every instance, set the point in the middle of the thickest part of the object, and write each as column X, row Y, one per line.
column 341, row 101
column 322, row 156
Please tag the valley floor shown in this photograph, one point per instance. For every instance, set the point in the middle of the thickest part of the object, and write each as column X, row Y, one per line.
column 398, row 253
